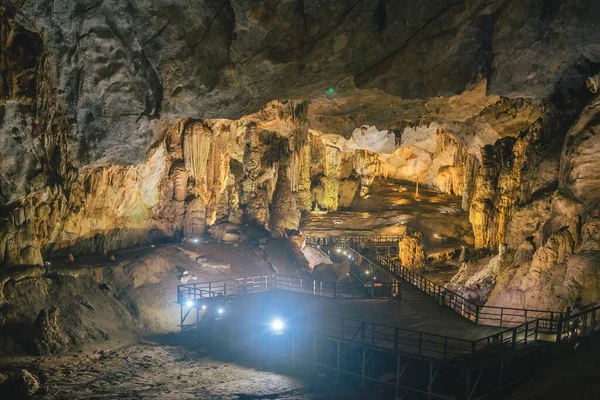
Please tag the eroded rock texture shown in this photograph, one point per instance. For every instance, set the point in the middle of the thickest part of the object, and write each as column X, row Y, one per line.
column 122, row 123
column 48, row 335
column 411, row 251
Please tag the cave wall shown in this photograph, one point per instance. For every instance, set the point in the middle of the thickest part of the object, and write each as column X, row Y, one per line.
column 127, row 122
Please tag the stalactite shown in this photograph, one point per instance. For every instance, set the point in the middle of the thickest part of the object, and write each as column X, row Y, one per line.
column 470, row 172
column 179, row 176
column 284, row 215
column 196, row 149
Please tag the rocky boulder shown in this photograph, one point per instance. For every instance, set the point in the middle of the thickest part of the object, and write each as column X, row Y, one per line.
column 226, row 232
column 19, row 384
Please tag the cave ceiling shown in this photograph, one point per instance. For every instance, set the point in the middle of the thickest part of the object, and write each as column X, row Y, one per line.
column 114, row 69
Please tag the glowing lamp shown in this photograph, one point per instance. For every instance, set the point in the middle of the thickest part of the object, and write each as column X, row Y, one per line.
column 189, row 303
column 221, row 310
column 204, row 306
column 277, row 326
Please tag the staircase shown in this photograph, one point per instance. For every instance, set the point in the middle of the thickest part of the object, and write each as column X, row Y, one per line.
column 368, row 249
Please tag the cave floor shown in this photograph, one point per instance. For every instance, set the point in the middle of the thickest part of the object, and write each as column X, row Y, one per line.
column 159, row 370
column 387, row 210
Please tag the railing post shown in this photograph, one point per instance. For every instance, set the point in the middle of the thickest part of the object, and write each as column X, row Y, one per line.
column 397, row 376
column 334, row 290
column 337, row 369
column 514, row 338
column 477, row 315
column 559, row 328
column 373, row 334
column 362, row 333
column 396, row 339
column 314, row 360
column 362, row 382
column 293, row 349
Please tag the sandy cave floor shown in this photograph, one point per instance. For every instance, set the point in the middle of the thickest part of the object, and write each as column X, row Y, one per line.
column 149, row 370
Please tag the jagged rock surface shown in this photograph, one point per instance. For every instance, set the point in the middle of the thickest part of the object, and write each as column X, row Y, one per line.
column 411, row 251
column 112, row 129
column 48, row 335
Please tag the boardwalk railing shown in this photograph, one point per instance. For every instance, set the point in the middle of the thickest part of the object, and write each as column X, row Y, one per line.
column 255, row 284
column 584, row 323
column 423, row 344
column 549, row 321
column 363, row 241
column 406, row 341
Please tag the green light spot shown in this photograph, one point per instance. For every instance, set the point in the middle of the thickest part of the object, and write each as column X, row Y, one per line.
column 331, row 90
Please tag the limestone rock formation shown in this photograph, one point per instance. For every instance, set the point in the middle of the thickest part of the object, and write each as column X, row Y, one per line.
column 25, row 383
column 285, row 215
column 48, row 336
column 127, row 123
column 411, row 251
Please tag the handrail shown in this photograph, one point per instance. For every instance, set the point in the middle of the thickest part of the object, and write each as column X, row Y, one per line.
column 420, row 343
column 478, row 314
column 373, row 265
column 583, row 323
column 316, row 240
column 408, row 341
column 255, row 284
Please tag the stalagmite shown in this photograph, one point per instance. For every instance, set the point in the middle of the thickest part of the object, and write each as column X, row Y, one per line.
column 411, row 251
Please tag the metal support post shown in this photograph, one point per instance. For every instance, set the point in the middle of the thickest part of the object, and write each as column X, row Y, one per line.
column 397, row 376
column 314, row 360
column 214, row 335
column 364, row 366
column 337, row 369
column 468, row 384
column 294, row 349
column 181, row 316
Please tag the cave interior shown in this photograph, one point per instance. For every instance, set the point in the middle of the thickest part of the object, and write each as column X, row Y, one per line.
column 196, row 195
